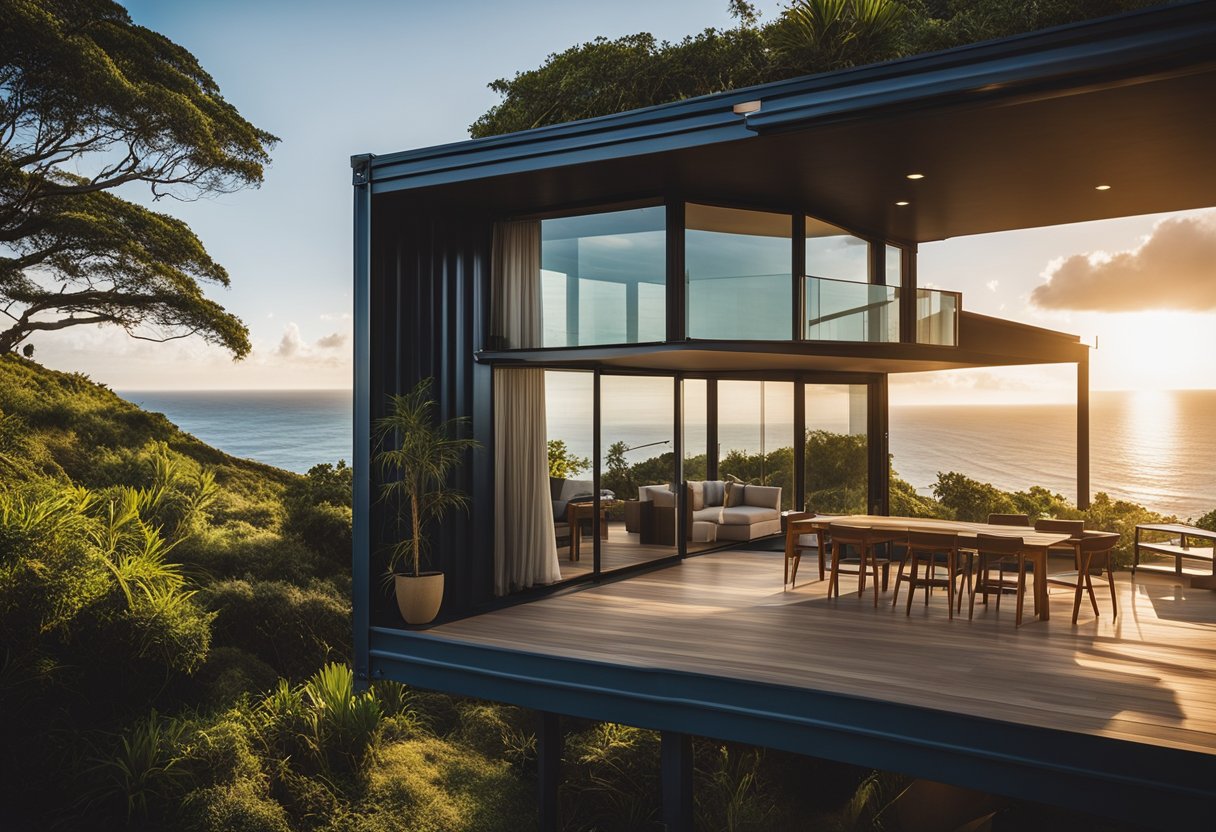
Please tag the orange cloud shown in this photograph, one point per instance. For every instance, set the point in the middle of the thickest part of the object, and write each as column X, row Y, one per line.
column 1174, row 268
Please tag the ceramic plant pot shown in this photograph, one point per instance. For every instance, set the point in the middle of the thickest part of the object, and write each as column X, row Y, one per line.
column 418, row 598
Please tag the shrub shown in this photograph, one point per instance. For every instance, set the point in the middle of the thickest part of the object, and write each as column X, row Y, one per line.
column 293, row 629
column 241, row 806
column 228, row 673
column 240, row 550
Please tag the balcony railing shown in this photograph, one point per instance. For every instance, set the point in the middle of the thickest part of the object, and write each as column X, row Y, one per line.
column 937, row 317
column 843, row 310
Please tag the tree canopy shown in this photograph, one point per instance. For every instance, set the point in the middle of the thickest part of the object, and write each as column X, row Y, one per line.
column 605, row 76
column 90, row 102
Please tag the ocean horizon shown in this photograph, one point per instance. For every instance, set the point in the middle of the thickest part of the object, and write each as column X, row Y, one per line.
column 1156, row 449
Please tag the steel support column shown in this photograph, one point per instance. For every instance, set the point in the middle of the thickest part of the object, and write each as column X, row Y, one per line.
column 1083, row 432
column 549, row 744
column 675, row 774
column 361, row 450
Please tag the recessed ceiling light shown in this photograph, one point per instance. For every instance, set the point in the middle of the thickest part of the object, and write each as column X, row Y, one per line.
column 915, row 176
column 1102, row 187
column 902, row 202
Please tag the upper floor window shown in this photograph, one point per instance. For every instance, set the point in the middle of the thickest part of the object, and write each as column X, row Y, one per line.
column 738, row 271
column 603, row 278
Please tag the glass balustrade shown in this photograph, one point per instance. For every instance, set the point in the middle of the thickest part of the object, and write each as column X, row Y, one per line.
column 937, row 317
column 842, row 310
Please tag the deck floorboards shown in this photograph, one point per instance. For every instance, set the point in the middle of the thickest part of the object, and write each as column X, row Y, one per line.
column 1146, row 677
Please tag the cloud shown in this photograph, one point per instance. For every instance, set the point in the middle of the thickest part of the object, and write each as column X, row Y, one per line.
column 992, row 284
column 291, row 344
column 1173, row 268
column 331, row 341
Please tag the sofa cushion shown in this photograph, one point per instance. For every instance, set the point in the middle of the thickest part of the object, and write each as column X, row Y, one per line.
column 647, row 492
column 765, row 496
column 696, row 495
column 572, row 489
column 715, row 492
column 559, row 510
column 734, row 494
column 748, row 515
column 662, row 498
column 709, row 514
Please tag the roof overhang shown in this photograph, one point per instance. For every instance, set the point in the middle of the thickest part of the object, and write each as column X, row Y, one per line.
column 1012, row 133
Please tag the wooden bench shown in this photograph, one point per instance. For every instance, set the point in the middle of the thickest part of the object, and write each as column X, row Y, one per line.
column 1180, row 548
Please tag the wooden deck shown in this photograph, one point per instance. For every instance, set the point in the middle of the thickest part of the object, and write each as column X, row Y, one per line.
column 1116, row 717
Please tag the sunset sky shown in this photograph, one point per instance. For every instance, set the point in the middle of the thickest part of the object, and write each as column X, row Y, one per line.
column 337, row 79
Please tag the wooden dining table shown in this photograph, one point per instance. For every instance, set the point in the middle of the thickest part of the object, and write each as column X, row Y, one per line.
column 1036, row 543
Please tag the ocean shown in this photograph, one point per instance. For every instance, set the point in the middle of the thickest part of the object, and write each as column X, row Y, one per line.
column 1157, row 449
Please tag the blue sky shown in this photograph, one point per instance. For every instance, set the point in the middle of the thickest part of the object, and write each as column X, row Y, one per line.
column 337, row 79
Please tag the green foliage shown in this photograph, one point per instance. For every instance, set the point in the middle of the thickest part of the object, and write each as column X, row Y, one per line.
column 417, row 455
column 1207, row 521
column 603, row 76
column 146, row 770
column 563, row 464
column 293, row 629
column 91, row 102
column 970, row 500
column 319, row 512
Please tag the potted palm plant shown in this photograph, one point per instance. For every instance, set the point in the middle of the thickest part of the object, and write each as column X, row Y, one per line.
column 417, row 455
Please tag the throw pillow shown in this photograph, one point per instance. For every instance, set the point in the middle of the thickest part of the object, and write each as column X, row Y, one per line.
column 715, row 492
column 734, row 494
column 696, row 495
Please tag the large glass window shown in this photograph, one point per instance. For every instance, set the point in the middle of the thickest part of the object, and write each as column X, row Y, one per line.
column 756, row 434
column 737, row 266
column 837, row 458
column 696, row 429
column 603, row 278
column 834, row 253
column 895, row 265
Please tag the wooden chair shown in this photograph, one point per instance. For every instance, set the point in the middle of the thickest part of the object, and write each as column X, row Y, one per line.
column 812, row 541
column 1008, row 520
column 928, row 548
column 1095, row 550
column 1075, row 529
column 864, row 539
column 994, row 550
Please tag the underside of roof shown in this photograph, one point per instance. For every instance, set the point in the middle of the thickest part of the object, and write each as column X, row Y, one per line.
column 1008, row 134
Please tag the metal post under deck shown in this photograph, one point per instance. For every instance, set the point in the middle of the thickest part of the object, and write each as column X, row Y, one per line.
column 675, row 775
column 549, row 742
column 1083, row 432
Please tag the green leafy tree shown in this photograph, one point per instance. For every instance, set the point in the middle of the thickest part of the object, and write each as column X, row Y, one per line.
column 562, row 463
column 90, row 102
column 971, row 500
column 605, row 76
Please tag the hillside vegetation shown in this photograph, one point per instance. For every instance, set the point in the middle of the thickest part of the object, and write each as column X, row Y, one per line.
column 174, row 654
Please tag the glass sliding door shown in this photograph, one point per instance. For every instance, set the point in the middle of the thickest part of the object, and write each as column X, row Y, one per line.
column 756, row 434
column 696, row 429
column 837, row 455
column 637, row 419
column 570, row 431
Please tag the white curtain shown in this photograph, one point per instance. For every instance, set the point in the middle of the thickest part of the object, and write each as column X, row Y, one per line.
column 525, row 546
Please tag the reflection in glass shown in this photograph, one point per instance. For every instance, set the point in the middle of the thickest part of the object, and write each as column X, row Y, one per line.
column 895, row 267
column 638, row 467
column 569, row 419
column 738, row 273
column 835, row 253
column 838, row 310
column 603, row 278
column 937, row 317
column 696, row 433
column 837, row 461
column 756, row 434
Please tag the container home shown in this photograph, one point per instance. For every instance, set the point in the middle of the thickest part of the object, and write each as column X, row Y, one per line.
column 634, row 311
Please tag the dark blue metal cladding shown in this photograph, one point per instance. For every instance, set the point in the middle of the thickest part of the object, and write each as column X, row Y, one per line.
column 428, row 299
